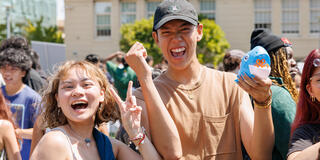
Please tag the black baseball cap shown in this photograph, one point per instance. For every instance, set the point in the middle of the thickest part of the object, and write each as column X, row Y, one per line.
column 174, row 9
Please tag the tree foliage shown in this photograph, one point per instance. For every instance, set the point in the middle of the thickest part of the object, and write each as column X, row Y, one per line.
column 37, row 32
column 213, row 44
column 210, row 49
column 140, row 31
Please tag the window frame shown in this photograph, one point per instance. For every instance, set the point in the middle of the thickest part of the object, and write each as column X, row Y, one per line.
column 103, row 25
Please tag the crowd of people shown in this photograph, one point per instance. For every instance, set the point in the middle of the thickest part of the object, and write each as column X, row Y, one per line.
column 179, row 109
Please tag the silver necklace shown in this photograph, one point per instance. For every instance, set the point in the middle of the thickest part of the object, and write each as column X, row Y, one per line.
column 86, row 140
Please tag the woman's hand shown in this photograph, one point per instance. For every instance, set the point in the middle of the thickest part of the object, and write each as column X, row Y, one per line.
column 258, row 88
column 136, row 60
column 130, row 112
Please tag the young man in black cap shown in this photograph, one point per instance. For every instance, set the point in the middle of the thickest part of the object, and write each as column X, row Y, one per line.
column 210, row 112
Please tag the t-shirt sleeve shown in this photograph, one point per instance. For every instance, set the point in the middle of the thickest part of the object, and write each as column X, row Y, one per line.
column 300, row 140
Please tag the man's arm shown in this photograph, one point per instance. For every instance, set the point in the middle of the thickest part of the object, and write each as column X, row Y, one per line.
column 112, row 56
column 256, row 127
column 164, row 132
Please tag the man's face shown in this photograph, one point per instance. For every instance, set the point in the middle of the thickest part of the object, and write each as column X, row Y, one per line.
column 12, row 75
column 177, row 40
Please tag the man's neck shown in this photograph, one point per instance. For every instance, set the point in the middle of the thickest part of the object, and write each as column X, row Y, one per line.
column 14, row 89
column 189, row 75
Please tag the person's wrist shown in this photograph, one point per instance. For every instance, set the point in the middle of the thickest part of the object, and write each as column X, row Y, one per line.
column 138, row 138
column 264, row 104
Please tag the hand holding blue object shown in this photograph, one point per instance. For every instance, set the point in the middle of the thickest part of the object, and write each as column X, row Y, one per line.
column 255, row 63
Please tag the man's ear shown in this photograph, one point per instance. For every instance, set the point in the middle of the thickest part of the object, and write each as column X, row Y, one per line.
column 155, row 37
column 199, row 31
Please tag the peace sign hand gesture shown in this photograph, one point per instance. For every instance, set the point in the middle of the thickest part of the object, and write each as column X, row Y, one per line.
column 130, row 112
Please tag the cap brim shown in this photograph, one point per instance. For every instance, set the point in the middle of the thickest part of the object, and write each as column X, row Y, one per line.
column 169, row 18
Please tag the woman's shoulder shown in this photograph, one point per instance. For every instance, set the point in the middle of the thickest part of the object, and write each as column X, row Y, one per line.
column 55, row 139
column 5, row 124
column 7, row 127
column 54, row 143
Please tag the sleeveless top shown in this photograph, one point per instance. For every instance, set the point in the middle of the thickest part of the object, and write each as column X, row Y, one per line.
column 103, row 143
column 67, row 136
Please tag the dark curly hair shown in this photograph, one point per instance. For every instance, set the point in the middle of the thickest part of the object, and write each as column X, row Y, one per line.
column 16, row 58
column 15, row 42
column 15, row 52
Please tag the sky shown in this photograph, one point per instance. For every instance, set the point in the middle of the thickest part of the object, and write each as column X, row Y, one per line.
column 60, row 9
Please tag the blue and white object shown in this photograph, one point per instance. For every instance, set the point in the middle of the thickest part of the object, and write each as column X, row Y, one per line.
column 255, row 63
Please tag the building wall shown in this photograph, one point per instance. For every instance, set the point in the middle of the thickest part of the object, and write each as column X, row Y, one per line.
column 21, row 10
column 235, row 17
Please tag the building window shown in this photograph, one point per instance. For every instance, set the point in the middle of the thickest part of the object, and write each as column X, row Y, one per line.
column 103, row 19
column 128, row 12
column 151, row 8
column 290, row 16
column 208, row 9
column 314, row 16
column 262, row 14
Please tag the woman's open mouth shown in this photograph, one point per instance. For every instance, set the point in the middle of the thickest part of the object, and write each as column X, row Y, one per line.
column 79, row 105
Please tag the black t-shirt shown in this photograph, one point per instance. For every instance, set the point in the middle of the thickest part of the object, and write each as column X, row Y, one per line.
column 304, row 137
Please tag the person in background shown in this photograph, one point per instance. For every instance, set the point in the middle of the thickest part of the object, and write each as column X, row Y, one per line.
column 120, row 72
column 297, row 80
column 32, row 78
column 162, row 66
column 211, row 113
column 305, row 133
column 78, row 98
column 232, row 59
column 96, row 60
column 284, row 93
column 149, row 60
column 14, row 64
column 9, row 148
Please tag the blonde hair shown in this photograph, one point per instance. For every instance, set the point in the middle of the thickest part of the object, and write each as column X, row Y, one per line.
column 53, row 116
column 279, row 68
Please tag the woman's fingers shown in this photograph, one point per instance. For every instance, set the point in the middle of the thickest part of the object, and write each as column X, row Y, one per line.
column 118, row 100
column 129, row 91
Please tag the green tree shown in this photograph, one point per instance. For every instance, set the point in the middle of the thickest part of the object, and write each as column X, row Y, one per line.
column 210, row 49
column 36, row 31
column 140, row 31
column 213, row 44
column 3, row 34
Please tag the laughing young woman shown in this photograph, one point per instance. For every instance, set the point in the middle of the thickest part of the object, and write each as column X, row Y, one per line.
column 78, row 99
column 305, row 139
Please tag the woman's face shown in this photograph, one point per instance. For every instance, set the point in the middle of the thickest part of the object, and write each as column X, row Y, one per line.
column 314, row 86
column 79, row 95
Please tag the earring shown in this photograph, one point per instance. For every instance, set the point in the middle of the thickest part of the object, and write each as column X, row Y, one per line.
column 313, row 98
